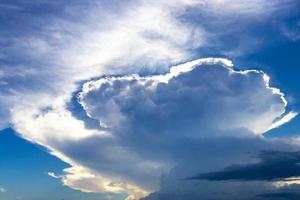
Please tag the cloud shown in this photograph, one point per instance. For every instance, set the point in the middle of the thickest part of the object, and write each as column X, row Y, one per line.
column 241, row 181
column 86, row 181
column 4, row 7
column 246, row 192
column 64, row 52
column 53, row 175
column 143, row 120
column 288, row 117
column 273, row 166
column 153, row 124
column 200, row 94
column 67, row 48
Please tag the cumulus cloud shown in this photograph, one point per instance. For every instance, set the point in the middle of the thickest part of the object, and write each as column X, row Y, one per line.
column 153, row 125
column 148, row 125
column 192, row 105
column 190, row 95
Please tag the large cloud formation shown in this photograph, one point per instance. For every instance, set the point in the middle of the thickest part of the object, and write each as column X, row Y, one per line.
column 61, row 47
column 199, row 107
column 190, row 95
column 201, row 117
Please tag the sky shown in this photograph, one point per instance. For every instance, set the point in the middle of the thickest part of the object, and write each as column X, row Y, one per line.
column 149, row 100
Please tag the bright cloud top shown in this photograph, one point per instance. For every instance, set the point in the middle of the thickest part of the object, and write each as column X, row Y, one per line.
column 194, row 94
column 143, row 120
column 146, row 118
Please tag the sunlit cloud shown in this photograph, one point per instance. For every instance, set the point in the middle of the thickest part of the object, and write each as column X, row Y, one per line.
column 103, row 58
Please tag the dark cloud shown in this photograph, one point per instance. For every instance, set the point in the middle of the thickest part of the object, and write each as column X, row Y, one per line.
column 273, row 166
column 254, row 181
column 268, row 196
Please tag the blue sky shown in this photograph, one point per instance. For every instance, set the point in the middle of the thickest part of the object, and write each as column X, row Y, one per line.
column 149, row 100
column 25, row 170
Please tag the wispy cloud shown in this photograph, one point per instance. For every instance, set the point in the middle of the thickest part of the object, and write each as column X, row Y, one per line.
column 53, row 175
column 283, row 120
column 4, row 6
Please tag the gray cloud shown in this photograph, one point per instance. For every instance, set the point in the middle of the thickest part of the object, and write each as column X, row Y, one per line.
column 273, row 166
column 203, row 115
column 204, row 95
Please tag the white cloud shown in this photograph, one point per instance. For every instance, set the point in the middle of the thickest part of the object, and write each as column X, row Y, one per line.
column 285, row 119
column 109, row 39
column 86, row 181
column 145, row 119
column 126, row 39
column 257, row 116
column 53, row 175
